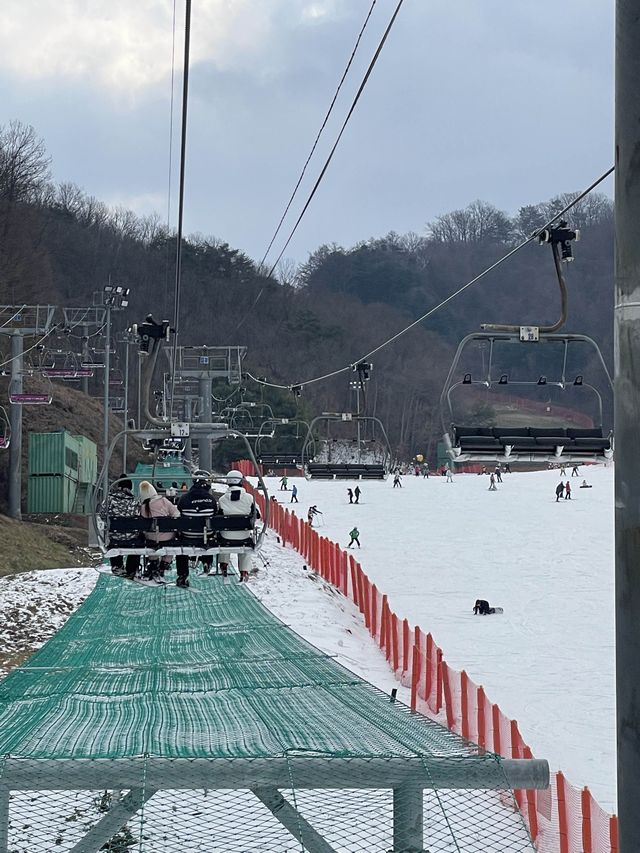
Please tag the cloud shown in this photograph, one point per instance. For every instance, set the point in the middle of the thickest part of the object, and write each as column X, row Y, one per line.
column 125, row 47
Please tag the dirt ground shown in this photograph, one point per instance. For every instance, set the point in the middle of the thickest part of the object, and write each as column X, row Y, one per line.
column 25, row 546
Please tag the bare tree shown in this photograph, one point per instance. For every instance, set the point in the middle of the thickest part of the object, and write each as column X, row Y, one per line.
column 24, row 164
column 478, row 222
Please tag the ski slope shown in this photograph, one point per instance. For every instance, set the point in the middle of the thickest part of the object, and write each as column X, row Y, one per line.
column 434, row 547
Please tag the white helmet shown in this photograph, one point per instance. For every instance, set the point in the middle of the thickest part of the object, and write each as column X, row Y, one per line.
column 234, row 478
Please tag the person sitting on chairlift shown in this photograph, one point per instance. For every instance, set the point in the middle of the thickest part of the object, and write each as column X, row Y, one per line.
column 122, row 503
column 156, row 506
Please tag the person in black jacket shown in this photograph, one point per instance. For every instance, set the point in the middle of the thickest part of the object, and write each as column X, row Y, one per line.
column 197, row 503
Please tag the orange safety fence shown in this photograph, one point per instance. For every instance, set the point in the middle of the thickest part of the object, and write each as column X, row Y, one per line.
column 562, row 819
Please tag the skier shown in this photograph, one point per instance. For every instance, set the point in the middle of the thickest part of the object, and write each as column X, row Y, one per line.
column 283, row 483
column 122, row 503
column 567, row 491
column 197, row 503
column 311, row 513
column 498, row 474
column 156, row 506
column 449, row 475
column 563, row 470
column 350, row 495
column 396, row 481
column 237, row 501
column 574, row 471
column 354, row 534
column 559, row 491
column 425, row 470
column 507, row 468
column 294, row 494
column 357, row 494
column 492, row 483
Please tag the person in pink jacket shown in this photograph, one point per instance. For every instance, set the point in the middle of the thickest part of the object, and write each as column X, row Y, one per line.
column 154, row 505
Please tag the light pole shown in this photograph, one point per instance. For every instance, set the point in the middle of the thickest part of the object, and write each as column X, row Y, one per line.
column 116, row 298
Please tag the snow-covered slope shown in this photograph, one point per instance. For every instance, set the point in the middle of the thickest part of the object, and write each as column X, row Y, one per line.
column 434, row 548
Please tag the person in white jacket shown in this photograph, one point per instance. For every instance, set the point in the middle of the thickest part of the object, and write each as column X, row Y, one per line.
column 236, row 501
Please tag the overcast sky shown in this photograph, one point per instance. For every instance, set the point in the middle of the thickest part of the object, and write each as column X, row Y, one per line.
column 507, row 102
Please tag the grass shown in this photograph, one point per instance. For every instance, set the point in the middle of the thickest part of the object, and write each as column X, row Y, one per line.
column 27, row 546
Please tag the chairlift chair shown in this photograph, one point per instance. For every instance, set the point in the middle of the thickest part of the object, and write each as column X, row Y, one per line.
column 568, row 444
column 353, row 469
column 210, row 528
column 18, row 396
column 279, row 459
column 5, row 429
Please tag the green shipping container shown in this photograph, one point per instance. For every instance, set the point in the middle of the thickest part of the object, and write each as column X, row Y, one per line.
column 51, row 494
column 87, row 459
column 54, row 453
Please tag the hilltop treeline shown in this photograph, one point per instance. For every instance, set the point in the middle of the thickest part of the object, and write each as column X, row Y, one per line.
column 58, row 245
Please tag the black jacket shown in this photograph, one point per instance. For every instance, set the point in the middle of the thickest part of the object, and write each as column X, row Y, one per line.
column 198, row 502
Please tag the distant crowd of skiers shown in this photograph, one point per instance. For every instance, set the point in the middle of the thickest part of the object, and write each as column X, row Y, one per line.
column 197, row 502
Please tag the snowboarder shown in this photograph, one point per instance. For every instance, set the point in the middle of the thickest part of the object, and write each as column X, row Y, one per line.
column 574, row 471
column 237, row 501
column 350, row 495
column 283, row 484
column 481, row 608
column 294, row 494
column 357, row 493
column 507, row 468
column 492, row 483
column 567, row 491
column 396, row 481
column 498, row 474
column 585, row 485
column 354, row 534
column 559, row 491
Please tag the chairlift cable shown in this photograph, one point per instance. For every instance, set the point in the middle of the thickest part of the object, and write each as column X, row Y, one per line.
column 170, row 163
column 322, row 127
column 339, row 137
column 183, row 152
column 14, row 316
column 329, row 158
column 533, row 236
column 24, row 352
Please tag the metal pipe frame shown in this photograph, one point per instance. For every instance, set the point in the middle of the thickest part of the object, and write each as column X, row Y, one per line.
column 338, row 418
column 217, row 432
column 514, row 338
column 291, row 819
column 276, row 422
column 303, row 772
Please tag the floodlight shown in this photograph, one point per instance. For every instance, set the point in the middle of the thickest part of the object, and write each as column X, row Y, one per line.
column 504, row 379
column 466, row 379
column 542, row 380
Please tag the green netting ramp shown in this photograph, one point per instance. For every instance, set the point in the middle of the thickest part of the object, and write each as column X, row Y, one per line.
column 165, row 473
column 177, row 720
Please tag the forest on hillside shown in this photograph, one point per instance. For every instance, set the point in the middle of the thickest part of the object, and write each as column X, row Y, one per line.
column 59, row 245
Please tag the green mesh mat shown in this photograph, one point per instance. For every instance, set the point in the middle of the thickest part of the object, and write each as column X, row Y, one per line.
column 178, row 473
column 140, row 679
column 207, row 673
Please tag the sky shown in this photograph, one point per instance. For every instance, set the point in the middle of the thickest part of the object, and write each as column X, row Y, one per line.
column 511, row 103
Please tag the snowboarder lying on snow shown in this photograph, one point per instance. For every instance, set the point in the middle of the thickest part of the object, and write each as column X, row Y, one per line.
column 481, row 608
